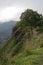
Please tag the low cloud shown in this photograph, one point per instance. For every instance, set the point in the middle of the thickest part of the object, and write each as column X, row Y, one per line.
column 11, row 9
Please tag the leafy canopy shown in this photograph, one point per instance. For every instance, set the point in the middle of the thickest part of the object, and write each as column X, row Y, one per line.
column 31, row 18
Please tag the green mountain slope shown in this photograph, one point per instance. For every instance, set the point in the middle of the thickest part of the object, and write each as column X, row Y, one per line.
column 22, row 48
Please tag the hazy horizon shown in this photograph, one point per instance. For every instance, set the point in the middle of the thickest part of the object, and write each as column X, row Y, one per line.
column 12, row 9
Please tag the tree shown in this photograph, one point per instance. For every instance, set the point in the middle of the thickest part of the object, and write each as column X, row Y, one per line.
column 31, row 18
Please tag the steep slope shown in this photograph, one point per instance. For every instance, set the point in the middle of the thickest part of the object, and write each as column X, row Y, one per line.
column 23, row 48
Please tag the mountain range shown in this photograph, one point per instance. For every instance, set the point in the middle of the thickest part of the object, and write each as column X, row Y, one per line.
column 6, row 30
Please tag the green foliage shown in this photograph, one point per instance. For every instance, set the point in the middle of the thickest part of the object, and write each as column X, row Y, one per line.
column 25, row 53
column 32, row 18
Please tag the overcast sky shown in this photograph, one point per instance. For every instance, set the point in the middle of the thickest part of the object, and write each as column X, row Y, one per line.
column 11, row 9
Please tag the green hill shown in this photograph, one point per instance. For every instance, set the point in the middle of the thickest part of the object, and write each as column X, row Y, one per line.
column 25, row 45
column 22, row 48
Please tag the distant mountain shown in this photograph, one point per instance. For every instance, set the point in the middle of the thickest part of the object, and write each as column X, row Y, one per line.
column 6, row 30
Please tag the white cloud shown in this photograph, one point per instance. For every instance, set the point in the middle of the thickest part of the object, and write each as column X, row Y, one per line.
column 11, row 9
column 10, row 13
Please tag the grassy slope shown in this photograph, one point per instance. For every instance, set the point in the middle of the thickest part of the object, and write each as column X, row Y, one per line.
column 27, row 50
